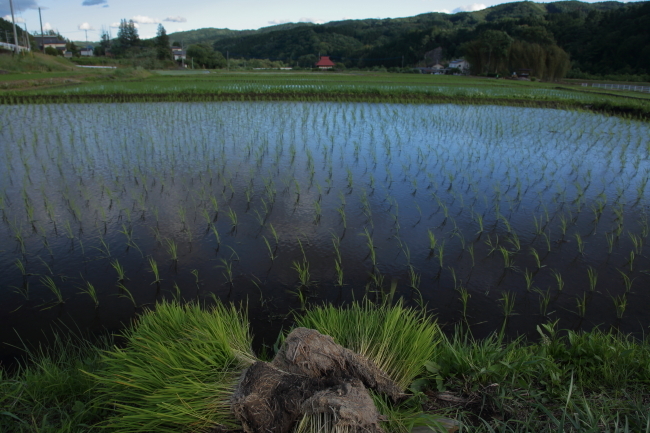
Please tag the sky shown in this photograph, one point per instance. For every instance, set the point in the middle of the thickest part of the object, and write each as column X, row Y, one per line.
column 78, row 19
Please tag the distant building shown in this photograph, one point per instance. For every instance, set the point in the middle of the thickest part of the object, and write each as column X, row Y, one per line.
column 461, row 64
column 86, row 52
column 324, row 63
column 178, row 53
column 50, row 41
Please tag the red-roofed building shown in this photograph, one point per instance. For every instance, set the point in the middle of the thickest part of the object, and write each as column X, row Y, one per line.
column 324, row 63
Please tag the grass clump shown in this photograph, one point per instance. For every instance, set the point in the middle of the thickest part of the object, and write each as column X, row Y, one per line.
column 177, row 370
column 48, row 392
column 398, row 339
column 576, row 382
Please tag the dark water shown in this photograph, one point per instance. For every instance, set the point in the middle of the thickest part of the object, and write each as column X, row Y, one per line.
column 88, row 188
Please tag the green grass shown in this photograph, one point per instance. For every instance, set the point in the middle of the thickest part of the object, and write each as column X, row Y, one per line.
column 129, row 86
column 49, row 392
column 34, row 62
column 573, row 382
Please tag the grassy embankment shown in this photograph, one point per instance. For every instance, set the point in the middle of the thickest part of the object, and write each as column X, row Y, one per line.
column 135, row 85
column 178, row 366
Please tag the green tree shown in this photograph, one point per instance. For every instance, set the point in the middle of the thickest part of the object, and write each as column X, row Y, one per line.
column 205, row 57
column 127, row 38
column 163, row 51
column 72, row 47
column 104, row 44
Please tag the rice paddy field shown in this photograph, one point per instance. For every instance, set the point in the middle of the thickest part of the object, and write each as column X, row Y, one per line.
column 502, row 218
column 238, row 205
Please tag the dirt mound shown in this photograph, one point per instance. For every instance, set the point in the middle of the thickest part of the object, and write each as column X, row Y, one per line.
column 311, row 375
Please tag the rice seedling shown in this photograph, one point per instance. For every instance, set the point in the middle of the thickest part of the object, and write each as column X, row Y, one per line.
column 121, row 275
column 535, row 254
column 153, row 266
column 233, row 218
column 581, row 303
column 302, row 268
column 226, row 265
column 90, row 290
column 271, row 251
column 637, row 241
column 317, row 208
column 216, row 234
column 508, row 260
column 627, row 281
column 51, row 285
column 494, row 245
column 371, row 247
column 172, row 249
column 507, row 301
column 432, row 240
column 528, row 275
column 183, row 377
column 386, row 334
column 620, row 304
column 464, row 296
column 440, row 254
column 544, row 301
column 580, row 243
column 470, row 250
column 558, row 279
column 610, row 242
column 593, row 278
column 414, row 278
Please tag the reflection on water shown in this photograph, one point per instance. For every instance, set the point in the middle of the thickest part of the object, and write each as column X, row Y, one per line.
column 476, row 213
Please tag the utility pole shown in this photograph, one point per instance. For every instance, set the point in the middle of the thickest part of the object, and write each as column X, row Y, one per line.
column 29, row 47
column 11, row 5
column 42, row 34
column 228, row 59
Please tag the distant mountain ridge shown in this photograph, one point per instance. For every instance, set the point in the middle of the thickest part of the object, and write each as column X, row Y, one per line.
column 212, row 34
column 600, row 38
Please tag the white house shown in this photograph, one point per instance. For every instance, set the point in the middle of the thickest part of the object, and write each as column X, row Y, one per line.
column 178, row 53
column 461, row 64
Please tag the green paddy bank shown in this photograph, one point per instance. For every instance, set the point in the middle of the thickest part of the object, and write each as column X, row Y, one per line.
column 139, row 85
column 175, row 368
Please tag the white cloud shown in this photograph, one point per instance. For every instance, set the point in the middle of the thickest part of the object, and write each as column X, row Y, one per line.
column 180, row 29
column 86, row 26
column 442, row 11
column 310, row 20
column 141, row 19
column 274, row 22
column 47, row 27
column 346, row 18
column 18, row 19
column 176, row 19
column 470, row 8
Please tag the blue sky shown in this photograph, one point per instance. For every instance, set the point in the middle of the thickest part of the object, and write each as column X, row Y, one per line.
column 74, row 18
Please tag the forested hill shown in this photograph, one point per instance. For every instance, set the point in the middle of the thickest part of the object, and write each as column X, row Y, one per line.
column 599, row 38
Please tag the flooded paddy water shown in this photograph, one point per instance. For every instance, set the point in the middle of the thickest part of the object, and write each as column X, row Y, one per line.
column 498, row 217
